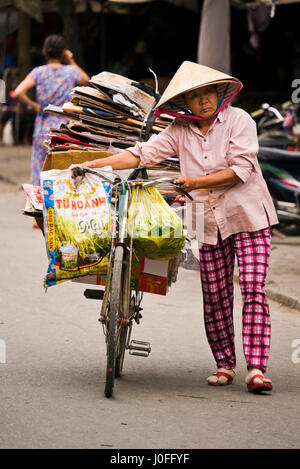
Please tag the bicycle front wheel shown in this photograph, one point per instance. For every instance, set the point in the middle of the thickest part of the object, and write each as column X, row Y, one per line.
column 113, row 329
column 122, row 347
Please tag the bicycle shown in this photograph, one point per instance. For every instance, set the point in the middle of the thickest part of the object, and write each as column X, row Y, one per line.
column 121, row 304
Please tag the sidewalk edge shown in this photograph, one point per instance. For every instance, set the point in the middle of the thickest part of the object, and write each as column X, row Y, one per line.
column 278, row 297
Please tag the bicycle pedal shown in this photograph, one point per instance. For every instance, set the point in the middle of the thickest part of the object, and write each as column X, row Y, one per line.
column 139, row 348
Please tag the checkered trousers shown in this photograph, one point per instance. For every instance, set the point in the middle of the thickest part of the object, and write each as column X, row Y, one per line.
column 216, row 269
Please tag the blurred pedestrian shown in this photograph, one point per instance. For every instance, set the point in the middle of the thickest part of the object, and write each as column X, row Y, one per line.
column 53, row 83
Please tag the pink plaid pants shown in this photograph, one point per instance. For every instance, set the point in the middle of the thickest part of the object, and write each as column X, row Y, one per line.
column 216, row 269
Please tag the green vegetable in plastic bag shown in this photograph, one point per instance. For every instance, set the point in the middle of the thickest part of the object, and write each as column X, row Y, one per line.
column 156, row 229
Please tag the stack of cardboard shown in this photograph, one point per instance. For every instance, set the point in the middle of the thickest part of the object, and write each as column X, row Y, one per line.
column 106, row 117
column 110, row 114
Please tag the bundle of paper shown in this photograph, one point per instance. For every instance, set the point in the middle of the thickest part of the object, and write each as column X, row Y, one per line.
column 34, row 205
column 166, row 169
column 94, row 134
column 112, row 111
column 111, row 114
column 120, row 128
column 124, row 92
column 119, row 105
column 87, row 96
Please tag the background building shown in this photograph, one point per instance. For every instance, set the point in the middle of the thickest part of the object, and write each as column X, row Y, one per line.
column 253, row 41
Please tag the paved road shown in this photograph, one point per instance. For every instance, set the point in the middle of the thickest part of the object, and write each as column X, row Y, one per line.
column 51, row 393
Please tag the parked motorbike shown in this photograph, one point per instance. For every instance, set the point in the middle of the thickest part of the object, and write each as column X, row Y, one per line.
column 281, row 171
column 278, row 128
column 279, row 158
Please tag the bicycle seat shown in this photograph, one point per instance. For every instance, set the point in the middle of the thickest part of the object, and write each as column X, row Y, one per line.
column 275, row 154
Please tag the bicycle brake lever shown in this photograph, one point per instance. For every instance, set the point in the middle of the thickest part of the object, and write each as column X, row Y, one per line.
column 182, row 190
column 78, row 171
column 169, row 181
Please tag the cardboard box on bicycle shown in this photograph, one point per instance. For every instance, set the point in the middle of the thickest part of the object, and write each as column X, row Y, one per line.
column 147, row 275
column 64, row 159
column 152, row 277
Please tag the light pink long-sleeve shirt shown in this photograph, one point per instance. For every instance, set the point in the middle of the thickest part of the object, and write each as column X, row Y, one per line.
column 230, row 142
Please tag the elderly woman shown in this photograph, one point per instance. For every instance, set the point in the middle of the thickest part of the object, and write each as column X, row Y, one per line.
column 217, row 147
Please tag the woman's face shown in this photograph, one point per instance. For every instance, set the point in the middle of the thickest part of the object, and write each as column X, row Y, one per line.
column 202, row 101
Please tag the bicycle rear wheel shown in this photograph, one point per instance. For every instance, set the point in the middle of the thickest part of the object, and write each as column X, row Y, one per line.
column 113, row 326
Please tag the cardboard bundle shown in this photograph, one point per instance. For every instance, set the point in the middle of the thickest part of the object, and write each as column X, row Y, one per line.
column 106, row 117
column 34, row 205
column 111, row 113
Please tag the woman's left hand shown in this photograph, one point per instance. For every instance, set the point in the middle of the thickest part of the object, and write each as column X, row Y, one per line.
column 188, row 183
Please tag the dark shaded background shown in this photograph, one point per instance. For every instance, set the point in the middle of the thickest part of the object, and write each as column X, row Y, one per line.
column 166, row 35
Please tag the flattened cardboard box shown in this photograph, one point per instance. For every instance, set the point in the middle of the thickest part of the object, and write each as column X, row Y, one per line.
column 141, row 280
column 64, row 159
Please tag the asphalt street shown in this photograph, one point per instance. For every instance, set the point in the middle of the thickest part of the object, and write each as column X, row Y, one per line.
column 52, row 381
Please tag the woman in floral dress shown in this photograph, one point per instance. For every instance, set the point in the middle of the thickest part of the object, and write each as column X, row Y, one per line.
column 53, row 82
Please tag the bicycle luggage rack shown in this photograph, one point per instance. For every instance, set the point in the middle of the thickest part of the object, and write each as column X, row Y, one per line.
column 139, row 348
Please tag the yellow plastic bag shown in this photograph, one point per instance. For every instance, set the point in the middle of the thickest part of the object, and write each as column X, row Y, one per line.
column 156, row 229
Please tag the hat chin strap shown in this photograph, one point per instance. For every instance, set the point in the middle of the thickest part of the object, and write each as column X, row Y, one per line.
column 184, row 114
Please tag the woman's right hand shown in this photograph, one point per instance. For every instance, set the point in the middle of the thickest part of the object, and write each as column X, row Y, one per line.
column 87, row 164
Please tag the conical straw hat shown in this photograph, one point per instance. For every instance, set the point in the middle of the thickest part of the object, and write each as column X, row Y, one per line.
column 190, row 76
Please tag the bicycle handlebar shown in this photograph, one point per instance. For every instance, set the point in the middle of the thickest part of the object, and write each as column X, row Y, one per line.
column 81, row 171
column 170, row 181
